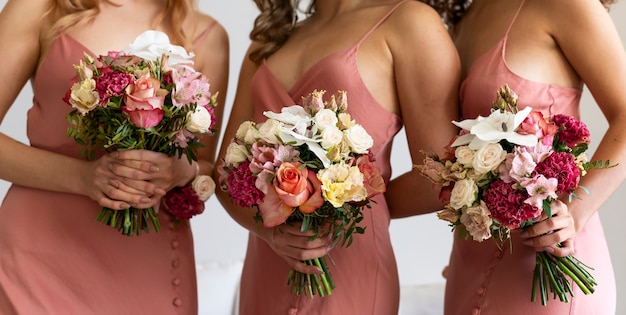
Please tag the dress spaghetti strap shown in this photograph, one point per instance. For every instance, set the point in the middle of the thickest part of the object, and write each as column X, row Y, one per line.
column 506, row 35
column 204, row 34
column 380, row 22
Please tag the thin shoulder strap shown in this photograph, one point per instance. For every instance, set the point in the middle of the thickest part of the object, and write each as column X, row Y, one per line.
column 506, row 35
column 204, row 34
column 380, row 21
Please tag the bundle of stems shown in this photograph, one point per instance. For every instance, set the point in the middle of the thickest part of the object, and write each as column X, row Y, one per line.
column 553, row 274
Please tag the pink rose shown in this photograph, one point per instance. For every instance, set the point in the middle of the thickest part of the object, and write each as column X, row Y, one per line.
column 144, row 102
column 432, row 170
column 293, row 186
column 536, row 124
column 372, row 180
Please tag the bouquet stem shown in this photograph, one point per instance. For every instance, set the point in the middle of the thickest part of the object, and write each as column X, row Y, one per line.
column 312, row 284
column 551, row 275
column 129, row 221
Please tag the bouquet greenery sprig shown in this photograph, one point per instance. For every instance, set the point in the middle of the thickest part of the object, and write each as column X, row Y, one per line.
column 145, row 97
column 308, row 164
column 504, row 171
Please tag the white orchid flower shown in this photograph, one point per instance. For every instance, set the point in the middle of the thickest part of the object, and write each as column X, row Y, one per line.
column 151, row 45
column 498, row 126
column 297, row 128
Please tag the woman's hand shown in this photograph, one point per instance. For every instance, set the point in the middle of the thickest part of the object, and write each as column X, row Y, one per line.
column 151, row 172
column 295, row 246
column 103, row 186
column 547, row 233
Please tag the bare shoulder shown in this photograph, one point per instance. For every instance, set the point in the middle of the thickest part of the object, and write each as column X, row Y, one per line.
column 566, row 11
column 200, row 22
column 18, row 15
column 415, row 14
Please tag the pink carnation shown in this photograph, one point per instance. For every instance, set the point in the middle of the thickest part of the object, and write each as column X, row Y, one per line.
column 241, row 187
column 571, row 130
column 562, row 166
column 183, row 203
column 112, row 83
column 507, row 206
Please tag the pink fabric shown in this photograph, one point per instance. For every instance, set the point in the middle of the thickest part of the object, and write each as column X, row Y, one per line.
column 365, row 273
column 56, row 259
column 481, row 279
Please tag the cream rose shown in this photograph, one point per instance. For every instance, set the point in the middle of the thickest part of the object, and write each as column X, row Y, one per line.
column 463, row 194
column 268, row 131
column 247, row 132
column 325, row 118
column 204, row 186
column 331, row 137
column 488, row 158
column 464, row 155
column 342, row 183
column 345, row 121
column 83, row 96
column 199, row 120
column 235, row 154
column 358, row 139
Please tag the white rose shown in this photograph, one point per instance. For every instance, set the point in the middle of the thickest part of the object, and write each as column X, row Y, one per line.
column 151, row 45
column 204, row 186
column 268, row 131
column 488, row 158
column 331, row 137
column 235, row 154
column 464, row 155
column 199, row 120
column 247, row 132
column 325, row 118
column 358, row 139
column 463, row 194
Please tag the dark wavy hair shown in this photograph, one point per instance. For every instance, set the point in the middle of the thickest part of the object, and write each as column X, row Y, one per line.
column 451, row 11
column 274, row 24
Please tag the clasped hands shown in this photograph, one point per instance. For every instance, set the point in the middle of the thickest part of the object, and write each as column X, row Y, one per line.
column 137, row 178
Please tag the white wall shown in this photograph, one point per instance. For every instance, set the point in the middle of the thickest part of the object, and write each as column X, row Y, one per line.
column 422, row 244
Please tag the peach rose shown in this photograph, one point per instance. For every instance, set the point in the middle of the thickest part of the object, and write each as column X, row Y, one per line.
column 144, row 102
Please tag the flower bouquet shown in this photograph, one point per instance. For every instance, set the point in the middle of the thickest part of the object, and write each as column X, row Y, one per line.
column 504, row 171
column 149, row 97
column 307, row 164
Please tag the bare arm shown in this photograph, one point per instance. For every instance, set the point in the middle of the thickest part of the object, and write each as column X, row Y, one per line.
column 21, row 24
column 427, row 71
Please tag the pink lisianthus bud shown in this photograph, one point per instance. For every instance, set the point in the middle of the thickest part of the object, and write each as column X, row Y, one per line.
column 313, row 102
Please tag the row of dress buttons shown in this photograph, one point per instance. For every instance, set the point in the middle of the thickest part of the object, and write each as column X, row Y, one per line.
column 175, row 263
column 481, row 290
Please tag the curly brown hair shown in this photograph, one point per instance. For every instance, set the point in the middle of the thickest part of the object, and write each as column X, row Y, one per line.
column 274, row 24
column 451, row 11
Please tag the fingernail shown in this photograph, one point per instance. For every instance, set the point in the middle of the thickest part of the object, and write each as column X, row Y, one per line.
column 549, row 250
column 114, row 154
column 145, row 199
column 528, row 242
column 159, row 191
column 320, row 271
column 524, row 234
column 154, row 169
column 124, row 206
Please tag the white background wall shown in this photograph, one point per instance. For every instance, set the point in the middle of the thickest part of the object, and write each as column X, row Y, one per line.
column 422, row 244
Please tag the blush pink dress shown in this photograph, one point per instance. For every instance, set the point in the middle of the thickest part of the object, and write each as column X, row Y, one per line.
column 481, row 279
column 56, row 259
column 365, row 273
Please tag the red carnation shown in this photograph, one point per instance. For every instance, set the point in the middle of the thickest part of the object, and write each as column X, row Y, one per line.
column 562, row 166
column 241, row 187
column 183, row 203
column 507, row 206
column 571, row 130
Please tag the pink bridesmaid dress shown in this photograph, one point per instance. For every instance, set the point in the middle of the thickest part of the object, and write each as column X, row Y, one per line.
column 481, row 279
column 55, row 258
column 365, row 274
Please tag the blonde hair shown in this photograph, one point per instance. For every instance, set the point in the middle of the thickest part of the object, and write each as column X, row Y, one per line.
column 274, row 24
column 68, row 13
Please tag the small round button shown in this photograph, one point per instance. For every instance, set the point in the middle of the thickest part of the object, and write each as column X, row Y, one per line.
column 175, row 244
column 175, row 262
column 177, row 302
column 476, row 311
column 292, row 311
column 176, row 281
